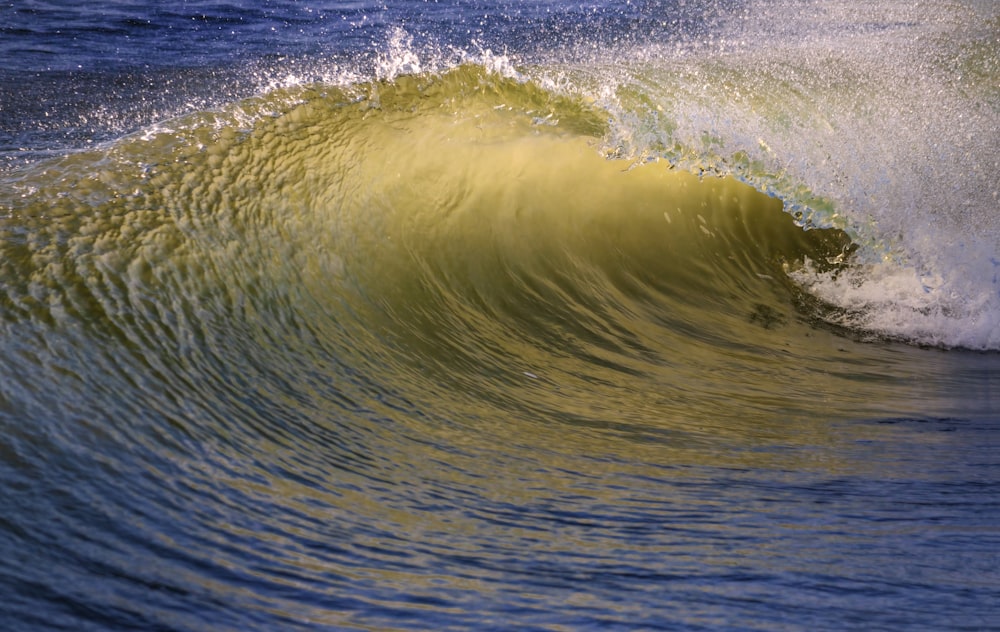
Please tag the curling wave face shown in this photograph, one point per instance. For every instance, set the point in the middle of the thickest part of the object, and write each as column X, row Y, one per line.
column 459, row 231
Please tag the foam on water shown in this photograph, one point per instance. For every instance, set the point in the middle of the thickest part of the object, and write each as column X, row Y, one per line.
column 882, row 121
column 902, row 136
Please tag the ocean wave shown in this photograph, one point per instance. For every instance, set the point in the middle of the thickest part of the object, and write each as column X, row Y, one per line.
column 444, row 333
column 790, row 130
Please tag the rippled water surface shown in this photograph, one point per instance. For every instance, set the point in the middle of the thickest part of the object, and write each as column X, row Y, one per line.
column 653, row 315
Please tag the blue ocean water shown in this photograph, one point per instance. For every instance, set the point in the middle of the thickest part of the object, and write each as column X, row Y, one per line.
column 499, row 315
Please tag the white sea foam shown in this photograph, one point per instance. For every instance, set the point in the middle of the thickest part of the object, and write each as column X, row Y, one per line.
column 879, row 120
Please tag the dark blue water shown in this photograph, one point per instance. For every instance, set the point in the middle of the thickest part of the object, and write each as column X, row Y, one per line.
column 235, row 397
column 72, row 75
column 62, row 36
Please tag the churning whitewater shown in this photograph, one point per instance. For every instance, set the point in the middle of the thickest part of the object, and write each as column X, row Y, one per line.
column 443, row 315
